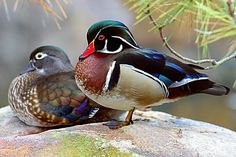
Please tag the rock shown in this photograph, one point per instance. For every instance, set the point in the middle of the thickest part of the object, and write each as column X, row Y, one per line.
column 152, row 134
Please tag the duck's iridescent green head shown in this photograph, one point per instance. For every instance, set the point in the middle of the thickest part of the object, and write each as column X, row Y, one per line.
column 95, row 28
column 108, row 37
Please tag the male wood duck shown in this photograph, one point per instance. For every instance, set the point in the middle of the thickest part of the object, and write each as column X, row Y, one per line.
column 45, row 93
column 117, row 73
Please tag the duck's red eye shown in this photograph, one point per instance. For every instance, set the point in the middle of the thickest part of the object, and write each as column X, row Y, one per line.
column 101, row 37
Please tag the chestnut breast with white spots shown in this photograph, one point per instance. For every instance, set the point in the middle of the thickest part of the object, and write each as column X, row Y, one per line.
column 90, row 73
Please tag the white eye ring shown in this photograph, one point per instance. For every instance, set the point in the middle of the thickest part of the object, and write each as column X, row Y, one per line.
column 40, row 55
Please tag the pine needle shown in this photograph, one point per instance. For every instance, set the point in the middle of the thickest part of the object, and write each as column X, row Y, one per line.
column 54, row 8
column 6, row 9
column 15, row 5
column 214, row 20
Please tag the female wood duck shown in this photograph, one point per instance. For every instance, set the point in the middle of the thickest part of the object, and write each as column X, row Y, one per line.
column 116, row 73
column 45, row 93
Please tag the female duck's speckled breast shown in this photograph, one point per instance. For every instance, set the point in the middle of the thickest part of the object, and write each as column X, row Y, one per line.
column 20, row 97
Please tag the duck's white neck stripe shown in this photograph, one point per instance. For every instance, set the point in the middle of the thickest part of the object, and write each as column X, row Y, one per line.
column 108, row 77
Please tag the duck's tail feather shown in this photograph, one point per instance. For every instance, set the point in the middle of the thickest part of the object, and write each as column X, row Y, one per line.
column 217, row 90
column 200, row 86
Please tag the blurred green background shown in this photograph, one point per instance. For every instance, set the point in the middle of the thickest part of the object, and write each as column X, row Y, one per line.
column 29, row 27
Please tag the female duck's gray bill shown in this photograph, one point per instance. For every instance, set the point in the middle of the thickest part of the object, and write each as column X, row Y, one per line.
column 30, row 67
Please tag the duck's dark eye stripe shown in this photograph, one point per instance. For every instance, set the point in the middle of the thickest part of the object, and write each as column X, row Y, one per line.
column 113, row 44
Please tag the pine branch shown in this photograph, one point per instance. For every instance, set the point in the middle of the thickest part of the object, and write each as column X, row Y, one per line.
column 213, row 62
column 231, row 9
column 213, row 19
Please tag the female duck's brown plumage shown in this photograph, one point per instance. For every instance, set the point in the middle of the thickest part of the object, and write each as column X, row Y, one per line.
column 45, row 93
column 116, row 73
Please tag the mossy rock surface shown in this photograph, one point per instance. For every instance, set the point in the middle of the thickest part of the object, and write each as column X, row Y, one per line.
column 152, row 134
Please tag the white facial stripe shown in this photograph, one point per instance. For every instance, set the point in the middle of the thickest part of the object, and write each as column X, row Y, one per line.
column 131, row 37
column 118, row 37
column 165, row 90
column 101, row 30
column 108, row 77
column 104, row 49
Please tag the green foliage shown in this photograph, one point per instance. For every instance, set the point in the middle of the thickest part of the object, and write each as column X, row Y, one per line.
column 213, row 20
